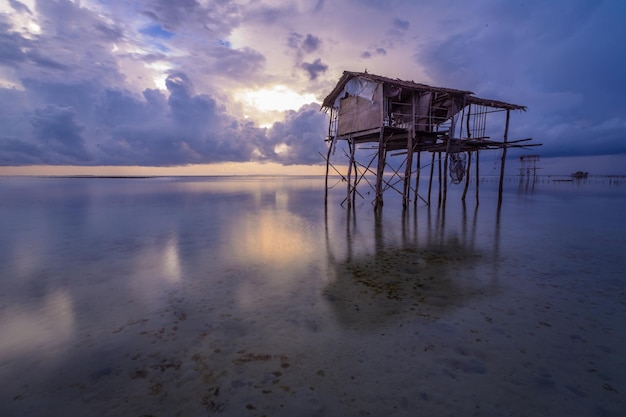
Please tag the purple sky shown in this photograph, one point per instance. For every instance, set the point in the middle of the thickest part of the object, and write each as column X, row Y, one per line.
column 163, row 83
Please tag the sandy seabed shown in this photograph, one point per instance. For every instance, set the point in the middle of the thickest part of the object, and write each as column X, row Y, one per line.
column 290, row 315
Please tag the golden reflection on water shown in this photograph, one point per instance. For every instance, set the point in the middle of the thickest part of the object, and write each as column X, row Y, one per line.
column 273, row 248
column 270, row 238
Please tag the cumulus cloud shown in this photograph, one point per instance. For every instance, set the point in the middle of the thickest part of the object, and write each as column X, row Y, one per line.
column 155, row 82
column 299, row 136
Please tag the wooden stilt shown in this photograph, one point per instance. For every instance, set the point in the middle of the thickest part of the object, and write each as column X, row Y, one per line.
column 330, row 148
column 439, row 179
column 406, row 198
column 417, row 176
column 380, row 170
column 356, row 174
column 506, row 134
column 348, row 177
column 432, row 171
column 445, row 179
column 467, row 175
column 477, row 177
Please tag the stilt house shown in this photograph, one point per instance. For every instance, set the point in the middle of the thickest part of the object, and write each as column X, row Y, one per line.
column 369, row 111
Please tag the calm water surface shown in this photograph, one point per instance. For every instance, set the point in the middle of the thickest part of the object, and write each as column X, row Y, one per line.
column 245, row 297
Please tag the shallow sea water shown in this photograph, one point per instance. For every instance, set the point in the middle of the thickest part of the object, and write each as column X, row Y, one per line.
column 245, row 297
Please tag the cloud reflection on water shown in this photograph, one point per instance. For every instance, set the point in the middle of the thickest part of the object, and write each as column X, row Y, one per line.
column 44, row 327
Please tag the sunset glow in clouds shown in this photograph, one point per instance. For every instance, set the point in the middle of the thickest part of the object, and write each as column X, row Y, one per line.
column 196, row 82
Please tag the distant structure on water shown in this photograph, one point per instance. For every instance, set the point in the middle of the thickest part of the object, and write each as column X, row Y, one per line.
column 528, row 166
column 379, row 117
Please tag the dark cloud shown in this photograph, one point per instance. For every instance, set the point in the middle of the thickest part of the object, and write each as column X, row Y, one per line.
column 80, row 95
column 604, row 138
column 401, row 24
column 173, row 14
column 303, row 44
column 183, row 128
column 373, row 53
column 564, row 69
column 75, row 90
column 199, row 130
column 377, row 4
column 12, row 46
column 19, row 7
column 73, row 45
column 294, row 40
column 18, row 152
column 311, row 43
column 319, row 5
column 315, row 68
column 17, row 51
column 57, row 128
column 216, row 17
column 117, row 108
column 188, row 109
column 303, row 132
column 237, row 63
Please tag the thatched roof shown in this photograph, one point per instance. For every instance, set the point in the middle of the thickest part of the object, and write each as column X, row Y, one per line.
column 413, row 86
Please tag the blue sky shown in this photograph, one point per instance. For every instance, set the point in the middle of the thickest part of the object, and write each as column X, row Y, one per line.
column 171, row 83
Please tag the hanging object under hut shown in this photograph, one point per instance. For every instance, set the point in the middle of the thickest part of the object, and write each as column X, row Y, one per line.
column 399, row 120
column 457, row 162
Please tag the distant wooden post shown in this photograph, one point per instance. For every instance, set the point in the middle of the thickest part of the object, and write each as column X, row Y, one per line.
column 506, row 135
